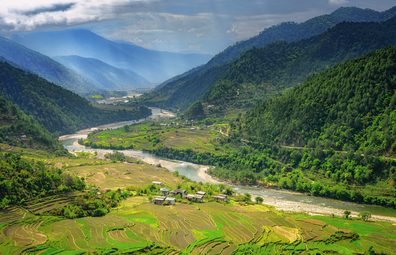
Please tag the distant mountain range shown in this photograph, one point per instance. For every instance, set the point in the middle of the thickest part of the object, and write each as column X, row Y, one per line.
column 103, row 75
column 45, row 67
column 155, row 66
column 182, row 91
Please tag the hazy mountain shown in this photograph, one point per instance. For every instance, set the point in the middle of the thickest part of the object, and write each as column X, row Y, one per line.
column 104, row 76
column 56, row 108
column 277, row 66
column 287, row 31
column 45, row 67
column 155, row 66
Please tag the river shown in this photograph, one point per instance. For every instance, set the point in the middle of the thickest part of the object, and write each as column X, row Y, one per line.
column 283, row 200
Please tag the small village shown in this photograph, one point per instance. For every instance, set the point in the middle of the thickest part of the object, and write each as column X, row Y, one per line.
column 168, row 197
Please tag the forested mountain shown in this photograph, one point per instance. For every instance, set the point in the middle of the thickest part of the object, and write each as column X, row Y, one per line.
column 104, row 76
column 45, row 67
column 278, row 66
column 333, row 136
column 58, row 109
column 18, row 129
column 292, row 31
column 348, row 107
column 155, row 66
column 200, row 79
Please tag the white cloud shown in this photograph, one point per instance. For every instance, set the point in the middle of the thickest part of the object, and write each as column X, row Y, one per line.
column 338, row 2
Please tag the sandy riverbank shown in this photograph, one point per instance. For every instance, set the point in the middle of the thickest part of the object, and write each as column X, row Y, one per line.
column 311, row 209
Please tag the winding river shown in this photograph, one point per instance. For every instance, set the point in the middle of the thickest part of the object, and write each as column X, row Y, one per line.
column 280, row 199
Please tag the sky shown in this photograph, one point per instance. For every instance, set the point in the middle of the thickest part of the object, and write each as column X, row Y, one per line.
column 207, row 26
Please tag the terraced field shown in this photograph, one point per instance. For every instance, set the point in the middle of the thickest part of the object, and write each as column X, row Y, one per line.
column 208, row 228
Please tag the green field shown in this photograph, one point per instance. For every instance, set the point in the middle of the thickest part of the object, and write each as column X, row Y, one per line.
column 137, row 226
column 151, row 135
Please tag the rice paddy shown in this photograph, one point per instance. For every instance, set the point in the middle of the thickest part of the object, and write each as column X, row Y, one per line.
column 192, row 229
column 138, row 226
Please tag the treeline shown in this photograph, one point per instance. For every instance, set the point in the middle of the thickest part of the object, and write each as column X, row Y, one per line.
column 348, row 177
column 18, row 129
column 58, row 109
column 22, row 179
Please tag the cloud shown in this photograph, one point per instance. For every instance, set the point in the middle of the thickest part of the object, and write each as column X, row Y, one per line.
column 53, row 8
column 338, row 2
column 177, row 23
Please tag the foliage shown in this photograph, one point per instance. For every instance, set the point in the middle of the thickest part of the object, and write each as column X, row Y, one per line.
column 22, row 180
column 364, row 215
column 18, row 129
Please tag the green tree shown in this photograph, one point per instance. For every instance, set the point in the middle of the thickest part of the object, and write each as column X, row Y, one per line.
column 365, row 215
column 259, row 200
column 346, row 214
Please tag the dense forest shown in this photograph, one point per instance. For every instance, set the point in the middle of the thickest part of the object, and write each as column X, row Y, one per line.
column 57, row 109
column 182, row 91
column 22, row 179
column 18, row 129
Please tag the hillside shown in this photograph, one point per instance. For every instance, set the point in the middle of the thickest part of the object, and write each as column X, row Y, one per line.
column 272, row 69
column 155, row 66
column 18, row 129
column 46, row 67
column 350, row 106
column 292, row 31
column 104, row 76
column 331, row 136
column 58, row 109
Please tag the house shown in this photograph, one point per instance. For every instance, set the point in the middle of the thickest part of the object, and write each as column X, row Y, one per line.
column 23, row 137
column 195, row 198
column 104, row 190
column 159, row 200
column 170, row 200
column 192, row 129
column 157, row 183
column 221, row 197
column 179, row 191
column 165, row 191
column 202, row 193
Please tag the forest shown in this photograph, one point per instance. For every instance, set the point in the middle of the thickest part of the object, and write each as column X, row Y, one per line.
column 57, row 109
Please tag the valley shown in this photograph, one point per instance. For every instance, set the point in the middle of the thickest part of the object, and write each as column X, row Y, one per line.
column 145, row 129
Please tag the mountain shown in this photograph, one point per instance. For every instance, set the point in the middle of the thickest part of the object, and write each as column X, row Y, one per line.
column 155, row 66
column 350, row 106
column 104, row 76
column 333, row 135
column 278, row 66
column 45, row 67
column 18, row 129
column 58, row 109
column 287, row 31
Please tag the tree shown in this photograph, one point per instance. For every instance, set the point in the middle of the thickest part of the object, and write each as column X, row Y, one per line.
column 365, row 215
column 347, row 213
column 259, row 200
column 126, row 128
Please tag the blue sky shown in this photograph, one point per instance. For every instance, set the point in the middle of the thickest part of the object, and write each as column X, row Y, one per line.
column 208, row 26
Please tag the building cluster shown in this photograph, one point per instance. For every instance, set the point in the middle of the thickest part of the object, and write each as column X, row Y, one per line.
column 168, row 197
